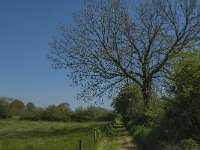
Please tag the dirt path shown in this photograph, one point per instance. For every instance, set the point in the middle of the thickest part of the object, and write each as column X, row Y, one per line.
column 125, row 139
column 104, row 145
column 120, row 141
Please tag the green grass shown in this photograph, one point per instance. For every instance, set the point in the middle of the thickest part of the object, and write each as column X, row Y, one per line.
column 41, row 135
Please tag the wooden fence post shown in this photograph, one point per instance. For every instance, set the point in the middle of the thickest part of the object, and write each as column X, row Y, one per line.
column 80, row 145
column 95, row 134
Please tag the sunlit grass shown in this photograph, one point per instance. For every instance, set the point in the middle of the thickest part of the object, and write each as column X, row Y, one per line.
column 41, row 135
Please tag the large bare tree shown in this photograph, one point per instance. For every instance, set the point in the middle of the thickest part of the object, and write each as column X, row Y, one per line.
column 110, row 43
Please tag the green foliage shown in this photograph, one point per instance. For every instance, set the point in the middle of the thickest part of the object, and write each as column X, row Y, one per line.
column 130, row 104
column 4, row 108
column 129, row 100
column 31, row 112
column 16, row 107
column 142, row 135
column 56, row 113
column 46, row 135
column 92, row 113
column 182, row 108
column 62, row 112
column 172, row 119
column 185, row 144
column 185, row 78
column 155, row 112
column 30, row 107
column 33, row 115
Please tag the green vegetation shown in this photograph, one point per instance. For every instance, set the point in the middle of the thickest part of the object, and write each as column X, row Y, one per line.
column 4, row 107
column 117, row 137
column 62, row 112
column 171, row 122
column 25, row 127
column 111, row 47
column 42, row 135
column 16, row 107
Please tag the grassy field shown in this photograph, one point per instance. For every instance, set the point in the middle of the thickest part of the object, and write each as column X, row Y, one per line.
column 40, row 135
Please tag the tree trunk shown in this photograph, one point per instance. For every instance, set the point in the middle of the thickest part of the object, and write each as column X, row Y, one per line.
column 146, row 92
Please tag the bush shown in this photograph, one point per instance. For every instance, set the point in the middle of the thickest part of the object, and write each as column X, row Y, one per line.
column 129, row 103
column 155, row 112
column 61, row 112
column 185, row 144
column 56, row 113
column 182, row 111
column 33, row 116
column 145, row 137
column 141, row 135
column 92, row 114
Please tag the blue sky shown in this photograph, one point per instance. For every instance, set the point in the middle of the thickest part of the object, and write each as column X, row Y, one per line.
column 26, row 27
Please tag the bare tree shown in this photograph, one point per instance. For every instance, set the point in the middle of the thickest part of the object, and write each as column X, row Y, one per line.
column 110, row 43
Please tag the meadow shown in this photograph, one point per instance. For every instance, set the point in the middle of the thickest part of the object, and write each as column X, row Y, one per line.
column 18, row 134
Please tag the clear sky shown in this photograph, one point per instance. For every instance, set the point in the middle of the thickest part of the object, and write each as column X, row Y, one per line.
column 26, row 27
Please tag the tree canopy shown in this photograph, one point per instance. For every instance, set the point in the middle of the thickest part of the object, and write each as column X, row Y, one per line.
column 110, row 44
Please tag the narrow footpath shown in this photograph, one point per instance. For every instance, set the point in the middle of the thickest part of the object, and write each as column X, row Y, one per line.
column 121, row 140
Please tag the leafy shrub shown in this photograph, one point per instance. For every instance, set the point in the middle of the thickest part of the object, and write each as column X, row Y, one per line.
column 182, row 111
column 92, row 114
column 185, row 144
column 56, row 113
column 155, row 112
column 108, row 129
column 129, row 102
column 33, row 116
column 141, row 135
column 145, row 137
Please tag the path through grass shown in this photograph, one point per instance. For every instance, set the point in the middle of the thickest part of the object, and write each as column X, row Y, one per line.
column 120, row 140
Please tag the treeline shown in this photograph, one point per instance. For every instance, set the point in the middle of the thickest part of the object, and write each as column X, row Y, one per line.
column 171, row 121
column 13, row 107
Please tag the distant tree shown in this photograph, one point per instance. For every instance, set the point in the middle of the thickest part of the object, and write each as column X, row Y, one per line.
column 49, row 113
column 4, row 103
column 62, row 112
column 64, row 107
column 30, row 107
column 92, row 113
column 80, row 115
column 109, row 44
column 16, row 107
